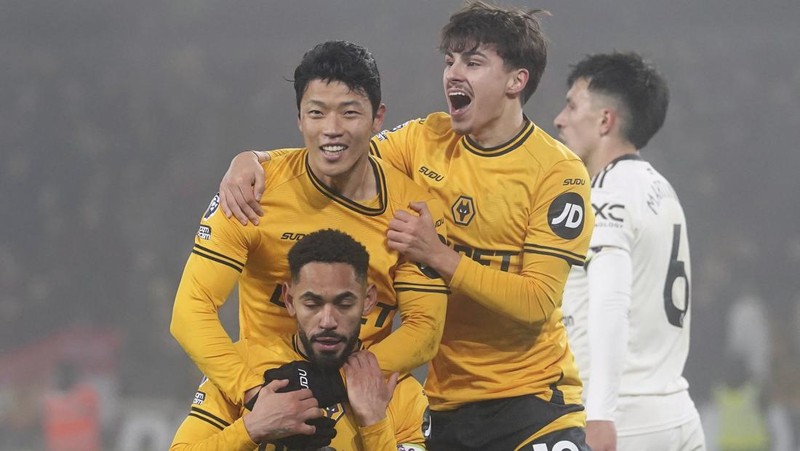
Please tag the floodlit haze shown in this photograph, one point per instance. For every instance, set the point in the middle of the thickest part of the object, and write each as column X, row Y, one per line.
column 118, row 119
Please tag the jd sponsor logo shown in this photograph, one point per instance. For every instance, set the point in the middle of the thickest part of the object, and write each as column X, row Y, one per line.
column 565, row 215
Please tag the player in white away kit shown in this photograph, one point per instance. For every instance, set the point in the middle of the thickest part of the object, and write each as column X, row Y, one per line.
column 627, row 311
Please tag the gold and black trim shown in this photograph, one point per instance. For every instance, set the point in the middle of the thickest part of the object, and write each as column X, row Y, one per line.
column 502, row 149
column 558, row 395
column 209, row 418
column 422, row 288
column 380, row 182
column 373, row 148
column 296, row 346
column 217, row 257
column 571, row 257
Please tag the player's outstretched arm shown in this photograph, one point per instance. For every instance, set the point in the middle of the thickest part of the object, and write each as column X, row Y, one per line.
column 369, row 393
column 195, row 325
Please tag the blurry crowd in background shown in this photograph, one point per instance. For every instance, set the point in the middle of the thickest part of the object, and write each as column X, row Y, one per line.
column 117, row 122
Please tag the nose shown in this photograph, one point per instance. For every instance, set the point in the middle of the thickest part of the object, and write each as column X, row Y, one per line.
column 454, row 72
column 332, row 127
column 328, row 319
column 559, row 120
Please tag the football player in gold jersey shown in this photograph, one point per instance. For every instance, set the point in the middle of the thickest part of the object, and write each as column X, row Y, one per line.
column 518, row 217
column 327, row 295
column 332, row 182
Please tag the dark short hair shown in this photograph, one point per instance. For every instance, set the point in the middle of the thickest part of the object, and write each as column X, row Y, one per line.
column 340, row 61
column 635, row 84
column 329, row 246
column 516, row 35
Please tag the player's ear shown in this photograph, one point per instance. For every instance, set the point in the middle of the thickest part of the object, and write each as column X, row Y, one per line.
column 517, row 81
column 288, row 300
column 608, row 120
column 377, row 122
column 371, row 299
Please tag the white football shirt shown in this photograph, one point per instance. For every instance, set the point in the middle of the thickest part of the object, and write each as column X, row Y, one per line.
column 636, row 283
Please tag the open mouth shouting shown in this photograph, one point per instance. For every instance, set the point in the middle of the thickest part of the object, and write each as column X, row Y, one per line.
column 459, row 101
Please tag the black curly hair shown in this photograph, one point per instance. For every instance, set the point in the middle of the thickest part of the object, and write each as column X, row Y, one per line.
column 329, row 246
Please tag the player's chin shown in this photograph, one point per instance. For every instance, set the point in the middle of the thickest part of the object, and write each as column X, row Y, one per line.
column 329, row 359
column 461, row 125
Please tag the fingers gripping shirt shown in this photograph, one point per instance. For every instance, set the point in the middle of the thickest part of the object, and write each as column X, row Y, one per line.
column 295, row 204
column 519, row 214
column 215, row 422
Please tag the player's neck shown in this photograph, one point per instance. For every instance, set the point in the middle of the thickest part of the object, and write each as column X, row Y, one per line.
column 608, row 150
column 502, row 128
column 357, row 184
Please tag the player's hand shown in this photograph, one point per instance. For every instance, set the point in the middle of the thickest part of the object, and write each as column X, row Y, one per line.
column 601, row 435
column 414, row 236
column 278, row 415
column 368, row 391
column 241, row 188
column 326, row 386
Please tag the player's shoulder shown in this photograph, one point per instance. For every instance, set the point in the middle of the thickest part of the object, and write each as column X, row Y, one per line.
column 433, row 125
column 270, row 351
column 437, row 122
column 409, row 399
column 285, row 164
column 285, row 158
column 628, row 173
column 411, row 389
column 409, row 412
column 399, row 186
column 549, row 153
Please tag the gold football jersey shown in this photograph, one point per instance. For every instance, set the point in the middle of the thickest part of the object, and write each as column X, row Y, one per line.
column 215, row 422
column 520, row 213
column 296, row 203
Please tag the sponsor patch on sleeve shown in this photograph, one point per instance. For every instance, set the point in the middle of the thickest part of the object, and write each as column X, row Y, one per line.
column 565, row 215
column 204, row 232
column 212, row 207
column 199, row 397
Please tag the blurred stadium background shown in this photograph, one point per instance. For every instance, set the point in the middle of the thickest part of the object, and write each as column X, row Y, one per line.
column 117, row 120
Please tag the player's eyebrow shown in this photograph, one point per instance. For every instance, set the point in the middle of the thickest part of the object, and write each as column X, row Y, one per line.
column 350, row 103
column 467, row 53
column 311, row 296
column 345, row 103
column 473, row 52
